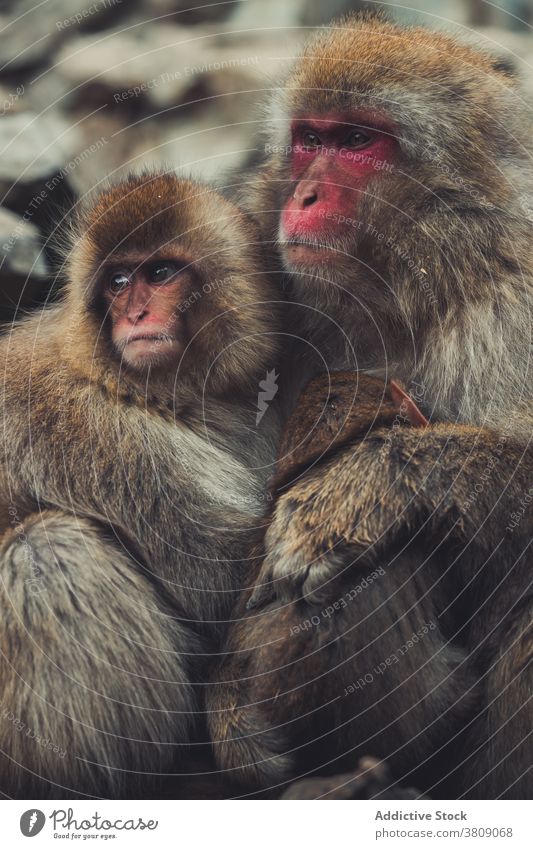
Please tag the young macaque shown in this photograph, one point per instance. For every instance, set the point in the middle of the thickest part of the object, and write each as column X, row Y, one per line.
column 371, row 660
column 130, row 478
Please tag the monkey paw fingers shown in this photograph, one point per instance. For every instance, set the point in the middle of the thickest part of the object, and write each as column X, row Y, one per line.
column 320, row 583
column 284, row 570
column 290, row 574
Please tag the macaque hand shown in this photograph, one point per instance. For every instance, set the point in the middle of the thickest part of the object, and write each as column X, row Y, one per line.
column 387, row 489
column 320, row 528
column 294, row 567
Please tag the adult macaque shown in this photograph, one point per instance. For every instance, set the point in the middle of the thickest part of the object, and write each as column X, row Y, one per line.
column 128, row 489
column 401, row 163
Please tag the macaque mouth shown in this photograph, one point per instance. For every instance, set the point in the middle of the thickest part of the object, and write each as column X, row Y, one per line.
column 303, row 249
column 151, row 337
column 149, row 344
column 309, row 243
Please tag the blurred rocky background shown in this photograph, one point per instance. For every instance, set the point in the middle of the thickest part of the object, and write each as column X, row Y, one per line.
column 91, row 89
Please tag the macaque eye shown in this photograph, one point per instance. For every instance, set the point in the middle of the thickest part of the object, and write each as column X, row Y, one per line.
column 161, row 272
column 118, row 281
column 311, row 140
column 357, row 139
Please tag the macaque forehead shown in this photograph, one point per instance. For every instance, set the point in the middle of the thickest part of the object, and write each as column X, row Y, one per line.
column 149, row 215
column 163, row 215
column 137, row 259
column 347, row 65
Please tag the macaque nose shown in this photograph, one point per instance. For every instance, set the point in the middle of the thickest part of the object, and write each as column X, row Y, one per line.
column 306, row 193
column 136, row 315
column 138, row 304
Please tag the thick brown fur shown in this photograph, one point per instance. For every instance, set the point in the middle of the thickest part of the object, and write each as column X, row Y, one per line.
column 392, row 648
column 434, row 286
column 127, row 500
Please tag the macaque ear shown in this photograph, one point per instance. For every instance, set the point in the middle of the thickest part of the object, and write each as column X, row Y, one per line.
column 405, row 403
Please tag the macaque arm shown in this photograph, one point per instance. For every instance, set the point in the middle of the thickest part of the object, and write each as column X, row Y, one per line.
column 445, row 482
column 126, row 489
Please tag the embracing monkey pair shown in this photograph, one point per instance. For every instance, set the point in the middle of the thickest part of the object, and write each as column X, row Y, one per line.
column 382, row 604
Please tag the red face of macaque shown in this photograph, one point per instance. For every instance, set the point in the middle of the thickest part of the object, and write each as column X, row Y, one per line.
column 143, row 301
column 333, row 159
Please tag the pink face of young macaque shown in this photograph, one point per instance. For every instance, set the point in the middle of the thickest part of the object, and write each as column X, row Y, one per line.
column 142, row 300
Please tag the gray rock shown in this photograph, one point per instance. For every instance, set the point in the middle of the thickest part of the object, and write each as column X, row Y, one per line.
column 187, row 12
column 23, row 268
column 27, row 41
column 12, row 99
column 205, row 147
column 129, row 66
column 20, row 246
column 37, row 154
